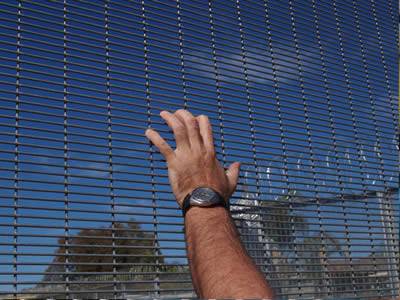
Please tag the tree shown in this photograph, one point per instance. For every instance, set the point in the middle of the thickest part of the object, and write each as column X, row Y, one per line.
column 123, row 248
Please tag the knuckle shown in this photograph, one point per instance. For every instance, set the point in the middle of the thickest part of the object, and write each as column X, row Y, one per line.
column 180, row 111
column 163, row 144
column 210, row 153
column 192, row 122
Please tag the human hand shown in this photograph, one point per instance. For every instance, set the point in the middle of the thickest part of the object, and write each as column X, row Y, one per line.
column 193, row 163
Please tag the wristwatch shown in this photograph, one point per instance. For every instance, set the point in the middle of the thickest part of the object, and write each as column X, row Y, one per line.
column 204, row 197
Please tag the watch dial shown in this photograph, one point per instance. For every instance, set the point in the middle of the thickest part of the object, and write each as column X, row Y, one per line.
column 204, row 193
column 204, row 196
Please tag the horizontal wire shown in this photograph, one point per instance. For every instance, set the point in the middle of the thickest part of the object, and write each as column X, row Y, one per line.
column 350, row 290
column 91, row 264
column 141, row 136
column 2, row 253
column 180, row 232
column 272, row 159
column 289, row 113
column 180, row 265
column 92, row 255
column 165, row 131
column 192, row 100
column 54, row 226
column 387, row 157
column 182, row 290
column 72, row 219
column 138, row 172
column 243, row 236
column 120, row 273
column 97, row 237
column 164, row 16
column 136, row 69
column 276, row 205
column 229, row 124
column 233, row 212
column 166, row 184
column 137, row 48
column 185, row 273
column 137, row 104
column 91, row 246
column 198, row 12
column 160, row 108
column 237, row 211
column 97, row 292
column 82, row 193
column 157, row 46
column 259, row 264
column 138, row 165
column 181, row 223
column 169, row 62
column 195, row 88
column 74, row 210
column 110, row 281
column 190, row 80
column 234, row 197
column 159, row 20
column 95, row 246
column 237, row 225
column 228, row 13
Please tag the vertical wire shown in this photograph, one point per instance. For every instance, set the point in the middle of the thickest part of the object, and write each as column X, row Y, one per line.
column 261, row 233
column 281, row 126
column 387, row 202
column 65, row 156
column 16, row 152
column 395, row 22
column 181, row 54
column 151, row 150
column 310, row 145
column 109, row 136
column 356, row 139
column 217, row 83
column 379, row 149
column 384, row 64
column 330, row 111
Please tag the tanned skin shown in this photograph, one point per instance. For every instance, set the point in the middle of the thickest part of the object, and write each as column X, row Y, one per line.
column 219, row 264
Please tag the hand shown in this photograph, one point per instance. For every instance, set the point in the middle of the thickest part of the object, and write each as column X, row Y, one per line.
column 193, row 163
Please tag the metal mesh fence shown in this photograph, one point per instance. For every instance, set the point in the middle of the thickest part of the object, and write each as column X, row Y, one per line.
column 303, row 93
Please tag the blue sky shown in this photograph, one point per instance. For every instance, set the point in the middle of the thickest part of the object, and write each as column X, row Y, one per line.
column 327, row 84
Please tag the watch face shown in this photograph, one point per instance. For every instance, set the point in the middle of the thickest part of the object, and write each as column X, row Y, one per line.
column 204, row 197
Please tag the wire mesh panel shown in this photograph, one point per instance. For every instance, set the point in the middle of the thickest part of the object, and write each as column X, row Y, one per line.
column 303, row 93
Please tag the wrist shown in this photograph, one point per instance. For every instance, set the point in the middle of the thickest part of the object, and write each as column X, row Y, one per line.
column 204, row 214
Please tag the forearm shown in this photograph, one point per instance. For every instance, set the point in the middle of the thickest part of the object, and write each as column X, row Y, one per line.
column 220, row 265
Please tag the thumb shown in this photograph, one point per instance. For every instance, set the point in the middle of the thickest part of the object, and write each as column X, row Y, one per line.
column 233, row 174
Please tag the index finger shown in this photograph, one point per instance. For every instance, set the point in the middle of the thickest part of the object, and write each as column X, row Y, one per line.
column 160, row 143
